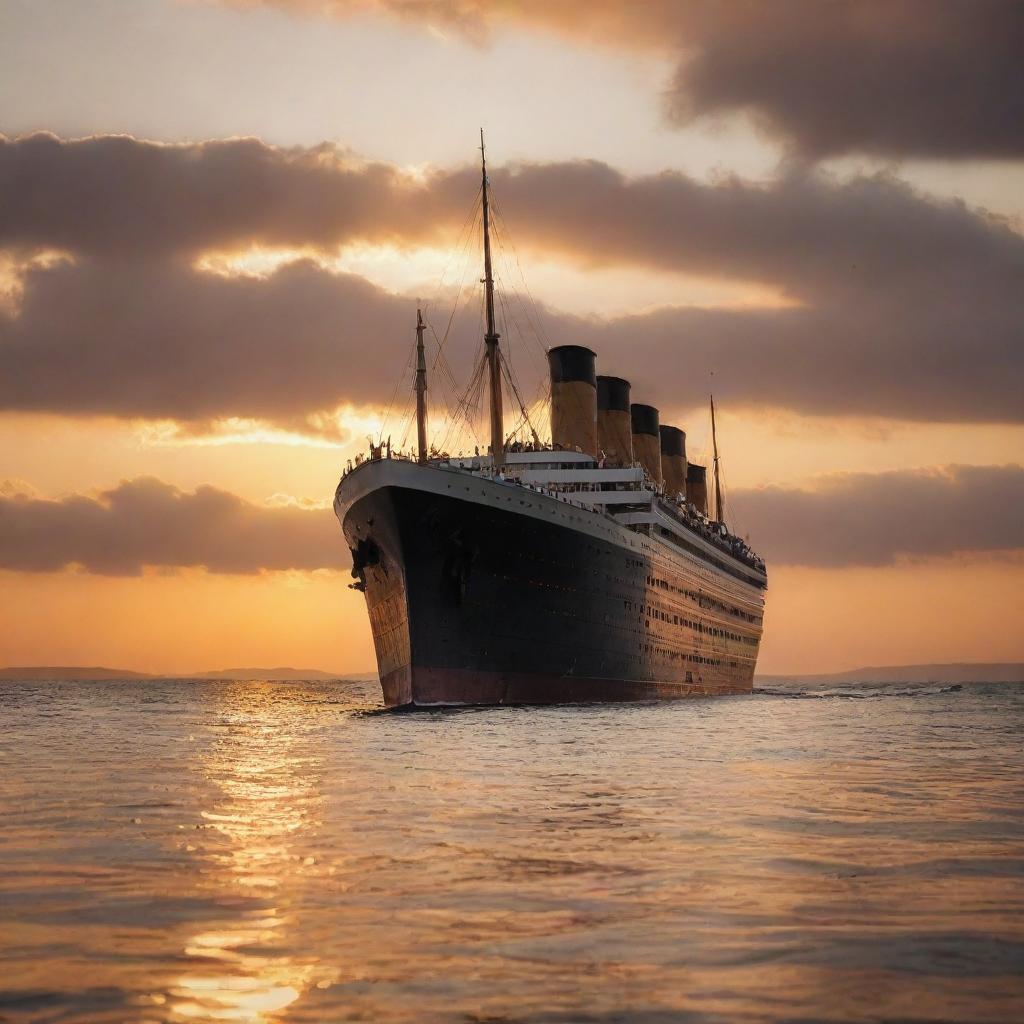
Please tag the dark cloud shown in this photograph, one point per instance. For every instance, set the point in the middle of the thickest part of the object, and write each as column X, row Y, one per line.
column 903, row 306
column 936, row 363
column 146, row 522
column 116, row 194
column 159, row 340
column 156, row 339
column 803, row 232
column 896, row 78
column 806, row 233
column 875, row 519
column 850, row 519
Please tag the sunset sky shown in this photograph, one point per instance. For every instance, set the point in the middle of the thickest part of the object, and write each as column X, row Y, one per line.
column 217, row 219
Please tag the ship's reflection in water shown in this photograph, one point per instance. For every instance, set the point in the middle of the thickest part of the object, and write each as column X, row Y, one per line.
column 253, row 846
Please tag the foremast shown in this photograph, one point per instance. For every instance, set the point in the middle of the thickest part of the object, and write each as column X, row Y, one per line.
column 421, row 391
column 491, row 337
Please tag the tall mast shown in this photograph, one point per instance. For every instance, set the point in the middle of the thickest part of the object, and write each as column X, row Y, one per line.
column 421, row 390
column 492, row 336
column 719, row 503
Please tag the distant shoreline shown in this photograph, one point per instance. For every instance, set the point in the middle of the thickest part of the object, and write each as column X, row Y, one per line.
column 77, row 673
column 945, row 673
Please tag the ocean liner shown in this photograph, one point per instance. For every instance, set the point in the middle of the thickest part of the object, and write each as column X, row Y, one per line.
column 584, row 569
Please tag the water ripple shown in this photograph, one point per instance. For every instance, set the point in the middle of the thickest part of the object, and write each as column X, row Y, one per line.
column 175, row 851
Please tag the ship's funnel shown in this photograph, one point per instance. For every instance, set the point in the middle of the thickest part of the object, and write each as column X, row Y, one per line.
column 573, row 398
column 646, row 439
column 673, row 459
column 614, row 425
column 697, row 486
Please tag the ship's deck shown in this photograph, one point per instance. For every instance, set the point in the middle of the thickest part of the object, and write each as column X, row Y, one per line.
column 621, row 494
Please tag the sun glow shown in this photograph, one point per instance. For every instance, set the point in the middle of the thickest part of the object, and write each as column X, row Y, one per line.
column 434, row 273
column 398, row 269
column 336, row 430
column 14, row 267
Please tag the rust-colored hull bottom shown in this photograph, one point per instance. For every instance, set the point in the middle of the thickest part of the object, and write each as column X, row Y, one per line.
column 427, row 687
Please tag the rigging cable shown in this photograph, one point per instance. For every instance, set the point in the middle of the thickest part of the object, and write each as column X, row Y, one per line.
column 522, row 408
column 534, row 319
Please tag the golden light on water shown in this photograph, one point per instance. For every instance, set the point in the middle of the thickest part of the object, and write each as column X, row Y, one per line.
column 260, row 827
column 239, row 999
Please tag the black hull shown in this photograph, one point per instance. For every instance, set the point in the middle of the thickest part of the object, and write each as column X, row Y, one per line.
column 474, row 603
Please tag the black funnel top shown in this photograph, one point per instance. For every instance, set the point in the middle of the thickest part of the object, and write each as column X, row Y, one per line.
column 645, row 419
column 695, row 474
column 673, row 441
column 571, row 363
column 613, row 394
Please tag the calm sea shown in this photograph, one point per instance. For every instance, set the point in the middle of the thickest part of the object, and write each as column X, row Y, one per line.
column 175, row 851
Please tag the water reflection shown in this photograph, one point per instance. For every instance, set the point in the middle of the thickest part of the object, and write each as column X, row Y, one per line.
column 254, row 844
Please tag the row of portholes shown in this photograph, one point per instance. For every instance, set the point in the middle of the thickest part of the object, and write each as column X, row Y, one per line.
column 705, row 600
column 676, row 620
